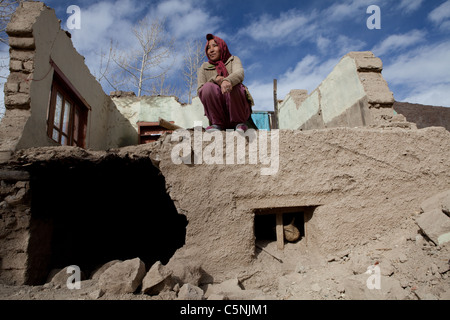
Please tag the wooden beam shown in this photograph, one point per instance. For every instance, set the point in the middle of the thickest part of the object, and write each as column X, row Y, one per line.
column 168, row 125
column 275, row 104
column 280, row 231
column 14, row 175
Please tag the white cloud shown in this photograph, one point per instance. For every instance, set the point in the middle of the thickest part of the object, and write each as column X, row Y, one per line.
column 437, row 95
column 307, row 74
column 410, row 5
column 346, row 9
column 399, row 41
column 186, row 18
column 102, row 23
column 421, row 75
column 323, row 43
column 427, row 64
column 4, row 72
column 441, row 13
column 346, row 44
column 290, row 27
column 105, row 20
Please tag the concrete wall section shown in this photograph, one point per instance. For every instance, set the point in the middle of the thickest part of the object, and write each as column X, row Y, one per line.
column 291, row 114
column 354, row 94
column 170, row 109
column 123, row 129
column 340, row 90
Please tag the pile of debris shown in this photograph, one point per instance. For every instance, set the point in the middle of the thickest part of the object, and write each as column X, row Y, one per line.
column 410, row 263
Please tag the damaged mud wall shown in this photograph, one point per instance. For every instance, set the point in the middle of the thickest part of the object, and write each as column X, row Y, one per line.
column 424, row 115
column 15, row 204
column 361, row 182
column 40, row 50
column 354, row 94
column 88, row 211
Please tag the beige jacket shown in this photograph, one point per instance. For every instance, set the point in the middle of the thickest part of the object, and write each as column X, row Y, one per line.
column 207, row 73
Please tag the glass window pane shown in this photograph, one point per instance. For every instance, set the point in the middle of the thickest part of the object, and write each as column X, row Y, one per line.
column 64, row 140
column 67, row 108
column 55, row 135
column 76, row 126
column 58, row 110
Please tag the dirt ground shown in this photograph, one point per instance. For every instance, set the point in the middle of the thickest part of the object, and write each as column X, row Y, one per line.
column 410, row 268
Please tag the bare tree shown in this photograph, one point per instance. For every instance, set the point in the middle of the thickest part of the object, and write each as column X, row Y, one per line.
column 160, row 87
column 105, row 70
column 7, row 8
column 193, row 59
column 149, row 62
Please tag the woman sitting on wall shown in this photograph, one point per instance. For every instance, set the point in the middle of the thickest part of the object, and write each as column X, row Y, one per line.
column 227, row 102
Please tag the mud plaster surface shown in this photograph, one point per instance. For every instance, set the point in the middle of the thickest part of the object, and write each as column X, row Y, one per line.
column 370, row 183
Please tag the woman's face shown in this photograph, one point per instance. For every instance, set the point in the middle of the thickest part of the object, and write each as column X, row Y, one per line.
column 213, row 50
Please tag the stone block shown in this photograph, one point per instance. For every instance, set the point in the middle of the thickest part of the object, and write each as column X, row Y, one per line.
column 22, row 43
column 60, row 278
column 156, row 280
column 190, row 292
column 376, row 88
column 11, row 87
column 24, row 87
column 22, row 55
column 366, row 61
column 98, row 272
column 28, row 66
column 22, row 21
column 123, row 277
column 436, row 225
column 438, row 201
column 16, row 261
column 15, row 65
column 18, row 100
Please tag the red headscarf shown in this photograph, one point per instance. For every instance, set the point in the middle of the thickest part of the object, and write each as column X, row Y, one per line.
column 224, row 55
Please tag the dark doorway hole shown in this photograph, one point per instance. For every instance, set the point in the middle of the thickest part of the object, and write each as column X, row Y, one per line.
column 87, row 214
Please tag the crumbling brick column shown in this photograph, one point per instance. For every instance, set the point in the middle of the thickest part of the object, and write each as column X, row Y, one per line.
column 21, row 66
column 15, row 202
column 379, row 97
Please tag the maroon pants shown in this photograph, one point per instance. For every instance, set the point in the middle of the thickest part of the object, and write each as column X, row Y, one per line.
column 225, row 109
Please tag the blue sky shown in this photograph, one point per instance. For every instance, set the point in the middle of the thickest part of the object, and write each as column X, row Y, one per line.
column 296, row 42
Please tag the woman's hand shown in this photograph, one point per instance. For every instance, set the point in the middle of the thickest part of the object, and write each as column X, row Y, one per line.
column 226, row 86
column 219, row 80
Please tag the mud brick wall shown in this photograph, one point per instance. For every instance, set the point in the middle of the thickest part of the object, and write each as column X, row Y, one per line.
column 15, row 216
column 424, row 115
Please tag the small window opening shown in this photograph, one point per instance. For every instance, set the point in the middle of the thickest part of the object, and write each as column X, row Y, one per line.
column 290, row 221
